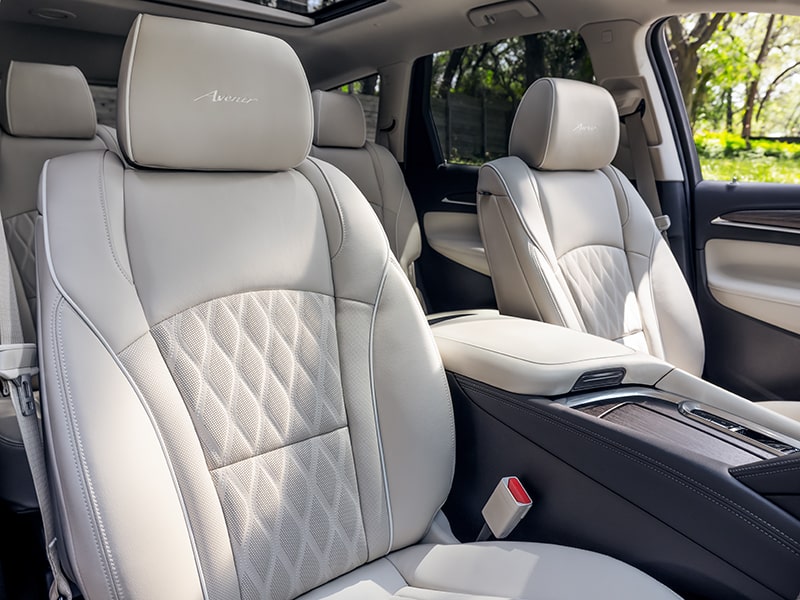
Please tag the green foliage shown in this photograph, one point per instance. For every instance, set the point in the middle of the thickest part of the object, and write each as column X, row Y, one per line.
column 712, row 144
column 765, row 168
column 504, row 69
column 724, row 156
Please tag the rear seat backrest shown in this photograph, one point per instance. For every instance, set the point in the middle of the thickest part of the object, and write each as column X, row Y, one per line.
column 46, row 111
column 340, row 134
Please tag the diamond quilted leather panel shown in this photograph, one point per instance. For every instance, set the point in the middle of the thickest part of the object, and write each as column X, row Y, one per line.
column 294, row 516
column 20, row 234
column 258, row 371
column 600, row 282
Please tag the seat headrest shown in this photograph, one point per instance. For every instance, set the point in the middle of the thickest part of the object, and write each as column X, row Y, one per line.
column 201, row 97
column 338, row 120
column 565, row 125
column 47, row 101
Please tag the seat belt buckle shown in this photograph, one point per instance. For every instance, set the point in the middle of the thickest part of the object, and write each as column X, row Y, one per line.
column 27, row 404
column 506, row 507
column 662, row 222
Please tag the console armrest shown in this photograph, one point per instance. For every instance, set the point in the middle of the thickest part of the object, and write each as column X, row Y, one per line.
column 537, row 359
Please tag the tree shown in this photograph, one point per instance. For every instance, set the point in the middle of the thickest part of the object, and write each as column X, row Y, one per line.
column 752, row 87
column 684, row 46
column 506, row 68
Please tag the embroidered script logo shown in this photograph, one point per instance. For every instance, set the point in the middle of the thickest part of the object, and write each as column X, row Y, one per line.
column 583, row 128
column 215, row 96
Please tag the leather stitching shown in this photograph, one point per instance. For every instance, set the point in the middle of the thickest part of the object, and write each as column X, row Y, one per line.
column 101, row 189
column 375, row 402
column 79, row 458
column 698, row 488
column 336, row 203
column 760, row 466
column 531, row 238
column 768, row 472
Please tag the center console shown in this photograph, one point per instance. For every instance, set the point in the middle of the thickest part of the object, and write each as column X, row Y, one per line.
column 626, row 455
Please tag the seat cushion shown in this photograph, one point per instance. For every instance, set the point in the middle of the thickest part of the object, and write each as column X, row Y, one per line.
column 526, row 571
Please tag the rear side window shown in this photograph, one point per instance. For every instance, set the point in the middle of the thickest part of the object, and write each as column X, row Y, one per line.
column 739, row 75
column 476, row 90
column 105, row 104
column 368, row 92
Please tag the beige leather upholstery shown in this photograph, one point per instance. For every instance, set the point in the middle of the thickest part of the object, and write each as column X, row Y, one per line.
column 47, row 111
column 47, row 101
column 242, row 395
column 497, row 350
column 574, row 244
column 565, row 125
column 340, row 139
column 242, row 118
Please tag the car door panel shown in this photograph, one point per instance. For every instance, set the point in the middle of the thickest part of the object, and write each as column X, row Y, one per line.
column 748, row 259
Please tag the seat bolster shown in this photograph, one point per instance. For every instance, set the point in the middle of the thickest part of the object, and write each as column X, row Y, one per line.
column 668, row 311
column 414, row 412
column 90, row 257
column 400, row 217
column 528, row 571
column 352, row 226
column 108, row 471
column 525, row 280
column 678, row 321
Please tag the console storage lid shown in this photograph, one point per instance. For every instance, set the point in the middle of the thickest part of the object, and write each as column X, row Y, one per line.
column 538, row 359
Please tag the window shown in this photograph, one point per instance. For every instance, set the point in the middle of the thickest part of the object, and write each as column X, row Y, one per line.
column 368, row 91
column 475, row 90
column 304, row 7
column 105, row 104
column 739, row 75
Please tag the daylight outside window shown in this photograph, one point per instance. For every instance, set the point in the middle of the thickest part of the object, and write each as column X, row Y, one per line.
column 739, row 75
column 475, row 90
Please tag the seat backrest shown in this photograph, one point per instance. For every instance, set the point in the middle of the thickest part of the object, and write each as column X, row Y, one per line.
column 568, row 238
column 45, row 111
column 242, row 394
column 340, row 138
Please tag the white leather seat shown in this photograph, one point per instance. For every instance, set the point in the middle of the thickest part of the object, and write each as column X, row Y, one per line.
column 570, row 241
column 340, row 138
column 243, row 397
column 45, row 111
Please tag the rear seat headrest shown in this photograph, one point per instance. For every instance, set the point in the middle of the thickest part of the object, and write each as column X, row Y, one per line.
column 565, row 125
column 202, row 97
column 47, row 101
column 338, row 120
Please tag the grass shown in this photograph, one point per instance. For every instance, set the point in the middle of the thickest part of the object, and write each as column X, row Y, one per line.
column 724, row 156
column 751, row 168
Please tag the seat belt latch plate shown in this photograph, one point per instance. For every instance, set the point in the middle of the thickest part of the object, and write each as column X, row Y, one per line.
column 27, row 404
column 662, row 222
column 506, row 507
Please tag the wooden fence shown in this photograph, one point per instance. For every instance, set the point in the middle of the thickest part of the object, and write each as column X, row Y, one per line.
column 472, row 129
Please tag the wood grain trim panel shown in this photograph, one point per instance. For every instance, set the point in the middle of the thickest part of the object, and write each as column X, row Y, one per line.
column 783, row 219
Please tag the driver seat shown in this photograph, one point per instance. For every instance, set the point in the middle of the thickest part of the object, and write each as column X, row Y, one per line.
column 241, row 394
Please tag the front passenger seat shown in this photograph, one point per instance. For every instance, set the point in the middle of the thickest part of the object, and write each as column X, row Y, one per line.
column 242, row 395
column 571, row 242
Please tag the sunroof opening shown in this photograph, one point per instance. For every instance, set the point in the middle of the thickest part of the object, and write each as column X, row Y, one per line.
column 306, row 7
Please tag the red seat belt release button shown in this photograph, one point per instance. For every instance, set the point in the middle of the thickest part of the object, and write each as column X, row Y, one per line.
column 506, row 507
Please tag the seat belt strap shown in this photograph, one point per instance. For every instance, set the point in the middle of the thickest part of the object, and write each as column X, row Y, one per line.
column 18, row 363
column 643, row 167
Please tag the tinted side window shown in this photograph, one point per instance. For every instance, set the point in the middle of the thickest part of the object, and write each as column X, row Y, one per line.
column 475, row 90
column 105, row 104
column 368, row 92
